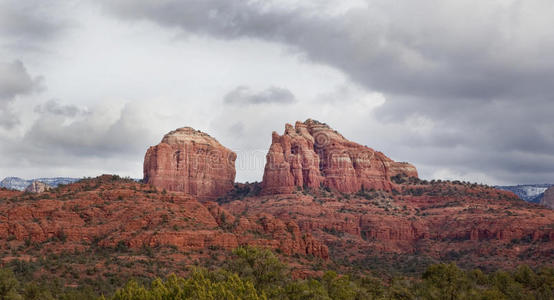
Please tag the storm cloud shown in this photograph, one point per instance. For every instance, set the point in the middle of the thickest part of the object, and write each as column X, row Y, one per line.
column 462, row 89
column 27, row 25
column 434, row 49
column 479, row 72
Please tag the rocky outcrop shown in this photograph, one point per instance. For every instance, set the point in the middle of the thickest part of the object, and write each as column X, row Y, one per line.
column 37, row 187
column 190, row 161
column 548, row 198
column 312, row 154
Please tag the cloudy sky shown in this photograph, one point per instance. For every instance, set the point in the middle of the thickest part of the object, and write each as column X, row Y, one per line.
column 462, row 89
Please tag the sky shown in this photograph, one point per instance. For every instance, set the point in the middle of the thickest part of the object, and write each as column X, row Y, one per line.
column 461, row 89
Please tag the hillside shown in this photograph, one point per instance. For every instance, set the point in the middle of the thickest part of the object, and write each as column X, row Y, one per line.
column 83, row 229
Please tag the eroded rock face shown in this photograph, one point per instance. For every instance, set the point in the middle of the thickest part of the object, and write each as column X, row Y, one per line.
column 37, row 187
column 285, row 236
column 548, row 198
column 190, row 161
column 312, row 154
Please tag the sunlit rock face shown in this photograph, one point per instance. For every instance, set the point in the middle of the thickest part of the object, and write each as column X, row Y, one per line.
column 190, row 161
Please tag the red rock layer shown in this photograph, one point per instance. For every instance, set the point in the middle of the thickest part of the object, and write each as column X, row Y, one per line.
column 439, row 219
column 190, row 161
column 285, row 236
column 312, row 154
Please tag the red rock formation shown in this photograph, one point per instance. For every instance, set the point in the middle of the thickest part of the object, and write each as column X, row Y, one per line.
column 548, row 198
column 190, row 161
column 37, row 187
column 312, row 154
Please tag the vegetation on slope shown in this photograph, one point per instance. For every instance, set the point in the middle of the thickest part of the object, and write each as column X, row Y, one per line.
column 254, row 273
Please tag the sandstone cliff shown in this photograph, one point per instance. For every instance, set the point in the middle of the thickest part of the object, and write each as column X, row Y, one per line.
column 37, row 187
column 190, row 161
column 548, row 198
column 312, row 154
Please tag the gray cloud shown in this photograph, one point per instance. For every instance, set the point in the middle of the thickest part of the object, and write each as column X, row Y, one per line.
column 72, row 140
column 75, row 131
column 467, row 83
column 14, row 80
column 242, row 95
column 479, row 72
column 425, row 48
column 8, row 119
column 56, row 108
column 27, row 24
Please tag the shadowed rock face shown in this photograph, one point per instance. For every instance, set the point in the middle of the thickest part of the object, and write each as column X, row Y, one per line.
column 312, row 154
column 190, row 161
column 548, row 198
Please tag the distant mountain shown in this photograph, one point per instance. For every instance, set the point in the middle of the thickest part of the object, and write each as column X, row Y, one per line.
column 528, row 192
column 16, row 183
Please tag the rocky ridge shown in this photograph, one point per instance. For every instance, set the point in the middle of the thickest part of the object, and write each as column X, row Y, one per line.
column 110, row 212
column 441, row 220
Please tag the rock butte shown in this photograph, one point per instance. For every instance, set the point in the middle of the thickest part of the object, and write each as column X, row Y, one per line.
column 190, row 161
column 312, row 154
column 548, row 198
column 37, row 187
